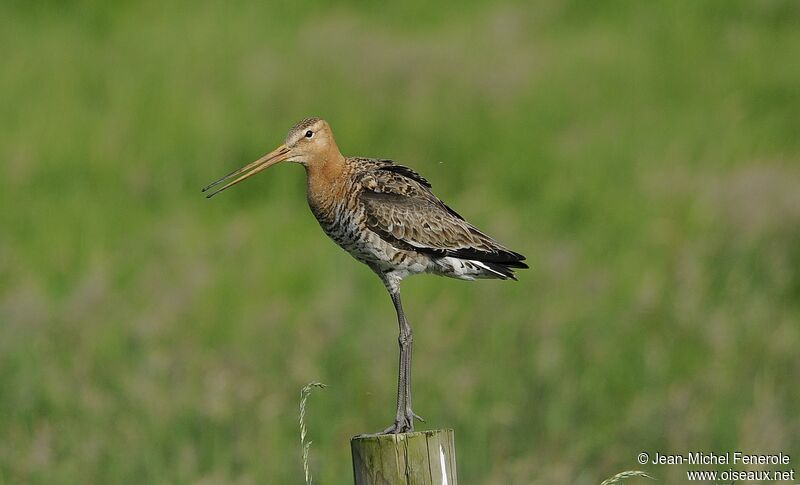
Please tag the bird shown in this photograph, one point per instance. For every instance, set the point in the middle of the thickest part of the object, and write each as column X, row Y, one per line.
column 386, row 216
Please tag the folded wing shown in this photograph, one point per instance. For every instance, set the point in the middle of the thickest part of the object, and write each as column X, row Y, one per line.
column 403, row 211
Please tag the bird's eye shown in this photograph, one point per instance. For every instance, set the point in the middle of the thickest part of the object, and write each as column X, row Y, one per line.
column 309, row 134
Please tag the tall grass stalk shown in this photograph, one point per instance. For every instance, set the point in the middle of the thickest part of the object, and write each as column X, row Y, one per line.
column 622, row 476
column 304, row 393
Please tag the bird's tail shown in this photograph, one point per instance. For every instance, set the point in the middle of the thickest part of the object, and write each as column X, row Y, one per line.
column 503, row 271
column 471, row 264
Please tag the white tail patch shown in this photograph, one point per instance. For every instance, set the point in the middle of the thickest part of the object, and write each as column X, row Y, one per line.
column 487, row 268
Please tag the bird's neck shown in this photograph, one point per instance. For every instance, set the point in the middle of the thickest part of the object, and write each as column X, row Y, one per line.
column 326, row 179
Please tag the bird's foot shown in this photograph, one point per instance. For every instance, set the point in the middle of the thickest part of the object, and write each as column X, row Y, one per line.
column 411, row 416
column 402, row 424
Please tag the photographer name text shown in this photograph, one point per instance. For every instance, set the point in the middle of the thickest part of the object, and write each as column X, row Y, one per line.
column 727, row 458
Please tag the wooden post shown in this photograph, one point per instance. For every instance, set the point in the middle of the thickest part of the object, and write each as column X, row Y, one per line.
column 419, row 458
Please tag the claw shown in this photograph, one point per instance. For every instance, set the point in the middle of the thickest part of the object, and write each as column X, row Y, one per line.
column 396, row 428
column 404, row 424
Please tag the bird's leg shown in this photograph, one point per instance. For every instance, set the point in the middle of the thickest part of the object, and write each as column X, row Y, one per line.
column 407, row 334
column 404, row 417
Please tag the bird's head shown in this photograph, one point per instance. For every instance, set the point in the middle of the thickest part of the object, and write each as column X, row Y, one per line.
column 310, row 142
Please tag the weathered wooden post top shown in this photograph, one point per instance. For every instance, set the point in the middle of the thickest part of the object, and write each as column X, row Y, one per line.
column 419, row 458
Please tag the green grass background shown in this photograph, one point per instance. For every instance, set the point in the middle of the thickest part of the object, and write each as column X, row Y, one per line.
column 643, row 155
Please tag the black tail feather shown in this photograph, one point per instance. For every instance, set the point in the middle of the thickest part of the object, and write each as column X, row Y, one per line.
column 502, row 271
column 504, row 257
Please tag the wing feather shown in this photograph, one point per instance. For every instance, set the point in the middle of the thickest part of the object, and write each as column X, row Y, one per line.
column 403, row 211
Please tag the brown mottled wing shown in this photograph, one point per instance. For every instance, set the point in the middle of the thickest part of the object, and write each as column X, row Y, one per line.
column 403, row 211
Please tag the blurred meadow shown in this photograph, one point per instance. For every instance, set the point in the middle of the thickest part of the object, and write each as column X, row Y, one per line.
column 645, row 156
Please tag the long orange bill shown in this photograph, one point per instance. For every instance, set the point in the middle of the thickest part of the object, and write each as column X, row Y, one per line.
column 277, row 155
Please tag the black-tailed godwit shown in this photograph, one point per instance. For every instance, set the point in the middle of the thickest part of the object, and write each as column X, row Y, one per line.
column 385, row 216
